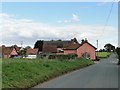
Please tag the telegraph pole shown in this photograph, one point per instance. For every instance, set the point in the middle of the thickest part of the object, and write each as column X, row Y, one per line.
column 97, row 47
column 21, row 43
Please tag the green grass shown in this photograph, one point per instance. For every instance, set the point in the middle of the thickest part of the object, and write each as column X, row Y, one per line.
column 103, row 54
column 28, row 73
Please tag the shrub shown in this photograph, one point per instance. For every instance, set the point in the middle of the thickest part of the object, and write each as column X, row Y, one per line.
column 46, row 65
column 51, row 57
column 118, row 53
column 97, row 58
column 63, row 57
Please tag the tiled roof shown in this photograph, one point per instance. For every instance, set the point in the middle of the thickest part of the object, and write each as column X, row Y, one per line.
column 6, row 50
column 32, row 51
column 49, row 48
column 59, row 44
column 76, row 46
column 71, row 46
column 17, row 48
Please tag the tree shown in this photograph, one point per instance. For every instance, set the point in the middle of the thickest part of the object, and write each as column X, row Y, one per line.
column 118, row 53
column 109, row 47
column 22, row 52
column 27, row 47
column 59, row 40
column 39, row 45
column 102, row 50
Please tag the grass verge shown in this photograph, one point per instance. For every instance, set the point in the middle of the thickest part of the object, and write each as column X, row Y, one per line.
column 28, row 73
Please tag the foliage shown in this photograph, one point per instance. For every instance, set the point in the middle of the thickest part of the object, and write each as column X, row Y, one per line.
column 39, row 45
column 62, row 57
column 27, row 47
column 59, row 40
column 102, row 50
column 18, row 73
column 118, row 53
column 109, row 47
column 22, row 52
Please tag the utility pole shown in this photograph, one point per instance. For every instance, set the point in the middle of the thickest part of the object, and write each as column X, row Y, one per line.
column 21, row 43
column 97, row 47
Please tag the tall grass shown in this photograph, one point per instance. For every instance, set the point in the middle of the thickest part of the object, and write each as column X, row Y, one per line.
column 27, row 73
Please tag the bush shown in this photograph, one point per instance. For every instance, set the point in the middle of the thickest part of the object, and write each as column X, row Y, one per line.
column 63, row 57
column 118, row 53
column 46, row 65
column 97, row 58
column 51, row 57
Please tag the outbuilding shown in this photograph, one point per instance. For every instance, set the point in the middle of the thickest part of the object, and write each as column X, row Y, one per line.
column 85, row 49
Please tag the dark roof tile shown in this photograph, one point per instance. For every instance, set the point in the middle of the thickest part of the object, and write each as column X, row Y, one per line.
column 59, row 44
column 76, row 46
column 71, row 46
column 32, row 51
column 49, row 48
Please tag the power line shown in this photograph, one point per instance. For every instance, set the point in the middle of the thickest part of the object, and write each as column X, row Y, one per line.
column 108, row 17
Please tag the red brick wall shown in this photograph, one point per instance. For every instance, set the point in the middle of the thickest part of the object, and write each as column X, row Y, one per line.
column 12, row 53
column 69, row 51
column 86, row 48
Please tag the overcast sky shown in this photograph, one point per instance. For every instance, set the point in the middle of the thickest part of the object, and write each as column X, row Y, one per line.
column 32, row 21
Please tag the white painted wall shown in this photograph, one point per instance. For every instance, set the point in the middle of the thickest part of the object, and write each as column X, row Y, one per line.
column 31, row 56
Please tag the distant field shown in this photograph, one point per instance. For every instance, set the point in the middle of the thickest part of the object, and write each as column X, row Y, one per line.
column 18, row 73
column 103, row 54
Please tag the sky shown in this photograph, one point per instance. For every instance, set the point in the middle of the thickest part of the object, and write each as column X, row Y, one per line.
column 32, row 21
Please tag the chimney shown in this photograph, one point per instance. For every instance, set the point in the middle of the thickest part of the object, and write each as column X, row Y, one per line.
column 86, row 40
column 82, row 41
column 74, row 41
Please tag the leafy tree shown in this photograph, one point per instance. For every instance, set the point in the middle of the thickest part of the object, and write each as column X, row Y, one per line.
column 109, row 47
column 39, row 45
column 27, row 47
column 118, row 52
column 102, row 50
column 22, row 52
column 59, row 40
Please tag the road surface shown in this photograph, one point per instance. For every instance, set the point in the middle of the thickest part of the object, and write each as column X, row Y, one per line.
column 103, row 74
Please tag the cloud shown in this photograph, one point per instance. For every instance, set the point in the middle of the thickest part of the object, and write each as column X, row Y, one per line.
column 16, row 30
column 105, row 2
column 74, row 18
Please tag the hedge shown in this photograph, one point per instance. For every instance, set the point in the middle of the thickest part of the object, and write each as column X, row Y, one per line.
column 63, row 57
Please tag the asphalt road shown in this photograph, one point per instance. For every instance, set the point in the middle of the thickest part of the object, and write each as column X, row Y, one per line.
column 103, row 74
